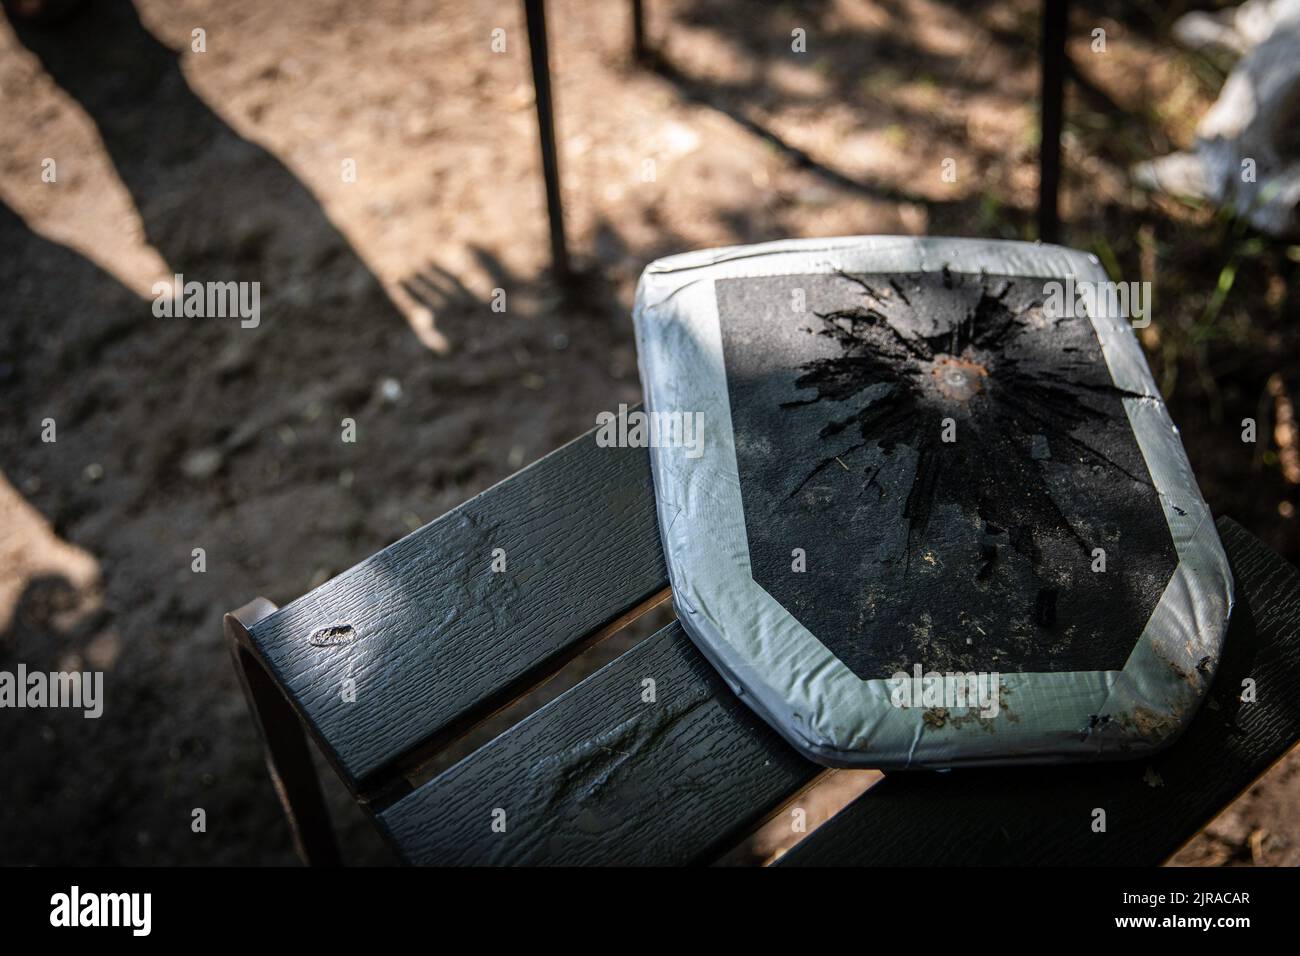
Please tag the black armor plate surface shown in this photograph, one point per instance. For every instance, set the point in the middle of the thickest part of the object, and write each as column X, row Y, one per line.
column 955, row 467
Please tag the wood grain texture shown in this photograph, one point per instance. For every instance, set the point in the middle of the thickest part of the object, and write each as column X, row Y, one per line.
column 1044, row 815
column 437, row 638
column 600, row 776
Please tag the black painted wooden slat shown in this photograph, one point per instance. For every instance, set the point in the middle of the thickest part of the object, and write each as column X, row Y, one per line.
column 439, row 636
column 1044, row 815
column 599, row 776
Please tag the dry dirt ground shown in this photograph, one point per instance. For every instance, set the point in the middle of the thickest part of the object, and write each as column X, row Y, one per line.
column 228, row 164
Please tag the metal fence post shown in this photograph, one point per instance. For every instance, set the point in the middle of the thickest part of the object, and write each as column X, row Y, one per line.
column 535, row 14
column 640, row 50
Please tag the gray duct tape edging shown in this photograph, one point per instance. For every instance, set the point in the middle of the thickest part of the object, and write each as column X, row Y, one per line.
column 780, row 669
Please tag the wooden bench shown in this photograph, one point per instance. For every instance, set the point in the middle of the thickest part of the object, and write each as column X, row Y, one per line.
column 434, row 642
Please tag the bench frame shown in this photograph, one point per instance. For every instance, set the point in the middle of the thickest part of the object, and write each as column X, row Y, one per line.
column 288, row 757
column 443, row 643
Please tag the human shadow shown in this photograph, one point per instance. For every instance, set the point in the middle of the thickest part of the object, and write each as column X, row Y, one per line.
column 184, row 433
column 219, row 208
column 109, row 789
column 210, row 200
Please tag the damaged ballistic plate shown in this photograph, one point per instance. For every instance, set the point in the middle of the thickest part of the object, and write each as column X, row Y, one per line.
column 940, row 514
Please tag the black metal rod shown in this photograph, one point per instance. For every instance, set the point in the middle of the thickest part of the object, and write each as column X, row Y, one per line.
column 1056, row 16
column 640, row 51
column 535, row 13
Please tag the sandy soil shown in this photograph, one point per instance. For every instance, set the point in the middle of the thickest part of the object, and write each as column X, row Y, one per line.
column 177, row 434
